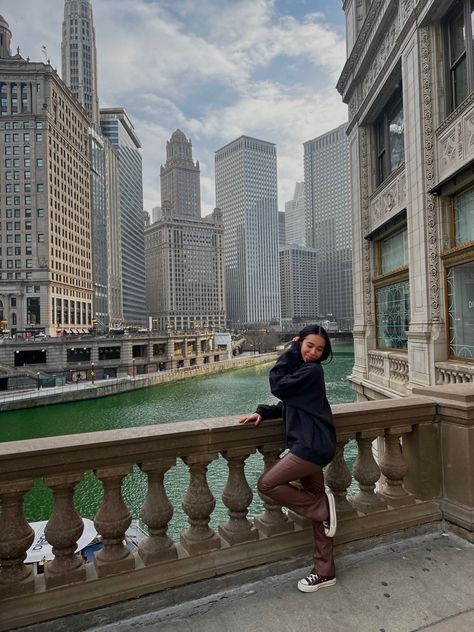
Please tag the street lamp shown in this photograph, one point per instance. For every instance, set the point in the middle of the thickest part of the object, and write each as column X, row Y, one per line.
column 92, row 372
column 38, row 380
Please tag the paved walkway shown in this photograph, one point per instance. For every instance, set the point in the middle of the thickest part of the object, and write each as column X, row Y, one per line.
column 423, row 582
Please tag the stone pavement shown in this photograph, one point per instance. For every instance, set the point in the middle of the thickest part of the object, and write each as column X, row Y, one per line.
column 412, row 583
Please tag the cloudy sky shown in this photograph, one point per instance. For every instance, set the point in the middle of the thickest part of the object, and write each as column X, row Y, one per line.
column 214, row 68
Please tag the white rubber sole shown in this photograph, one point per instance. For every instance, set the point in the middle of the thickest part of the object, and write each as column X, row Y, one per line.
column 330, row 531
column 308, row 589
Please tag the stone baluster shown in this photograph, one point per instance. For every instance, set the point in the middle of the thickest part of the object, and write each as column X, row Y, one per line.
column 367, row 473
column 237, row 497
column 394, row 468
column 272, row 521
column 156, row 513
column 112, row 521
column 63, row 530
column 16, row 537
column 198, row 505
column 338, row 479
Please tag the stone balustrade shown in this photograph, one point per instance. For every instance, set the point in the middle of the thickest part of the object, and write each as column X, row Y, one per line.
column 389, row 369
column 403, row 488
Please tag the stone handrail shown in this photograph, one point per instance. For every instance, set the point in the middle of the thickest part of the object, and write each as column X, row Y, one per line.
column 400, row 490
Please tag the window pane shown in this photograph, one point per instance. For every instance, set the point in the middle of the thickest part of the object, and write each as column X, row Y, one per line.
column 461, row 310
column 459, row 79
column 393, row 315
column 457, row 36
column 393, row 252
column 464, row 216
column 396, row 138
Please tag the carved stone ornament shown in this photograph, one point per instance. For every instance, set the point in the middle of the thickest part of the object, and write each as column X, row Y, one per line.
column 365, row 222
column 389, row 201
column 428, row 150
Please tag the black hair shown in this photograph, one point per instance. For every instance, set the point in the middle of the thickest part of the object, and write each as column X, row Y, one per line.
column 318, row 331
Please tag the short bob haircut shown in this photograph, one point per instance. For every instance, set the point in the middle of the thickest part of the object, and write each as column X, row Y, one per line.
column 318, row 331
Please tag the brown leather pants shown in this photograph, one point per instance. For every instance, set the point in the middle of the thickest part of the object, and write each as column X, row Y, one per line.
column 310, row 502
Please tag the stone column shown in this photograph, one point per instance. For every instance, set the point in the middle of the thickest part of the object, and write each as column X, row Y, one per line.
column 156, row 513
column 338, row 479
column 112, row 521
column 63, row 530
column 237, row 497
column 198, row 505
column 367, row 473
column 16, row 538
column 394, row 468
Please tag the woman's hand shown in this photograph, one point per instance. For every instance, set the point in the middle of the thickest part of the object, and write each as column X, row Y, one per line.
column 252, row 417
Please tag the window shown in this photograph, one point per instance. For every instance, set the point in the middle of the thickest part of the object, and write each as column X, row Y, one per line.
column 390, row 140
column 392, row 290
column 459, row 264
column 460, row 71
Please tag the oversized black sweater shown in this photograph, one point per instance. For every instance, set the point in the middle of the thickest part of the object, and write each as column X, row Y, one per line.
column 310, row 431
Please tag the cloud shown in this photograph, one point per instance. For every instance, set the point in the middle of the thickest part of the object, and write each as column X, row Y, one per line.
column 216, row 69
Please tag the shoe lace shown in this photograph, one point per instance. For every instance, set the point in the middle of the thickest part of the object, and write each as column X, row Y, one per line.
column 312, row 577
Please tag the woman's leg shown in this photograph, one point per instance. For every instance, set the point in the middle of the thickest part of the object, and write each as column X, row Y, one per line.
column 310, row 502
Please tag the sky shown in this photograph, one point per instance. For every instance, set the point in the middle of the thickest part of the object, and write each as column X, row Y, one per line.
column 216, row 69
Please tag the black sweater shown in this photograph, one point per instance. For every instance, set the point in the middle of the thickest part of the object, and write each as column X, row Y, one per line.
column 310, row 431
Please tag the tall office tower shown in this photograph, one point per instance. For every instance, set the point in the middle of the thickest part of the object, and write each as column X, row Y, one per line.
column 281, row 228
column 295, row 218
column 114, row 236
column 155, row 214
column 328, row 221
column 45, row 241
column 180, row 177
column 79, row 56
column 183, row 252
column 299, row 284
column 246, row 191
column 118, row 128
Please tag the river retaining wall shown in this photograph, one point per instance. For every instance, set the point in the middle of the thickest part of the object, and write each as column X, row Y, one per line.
column 105, row 388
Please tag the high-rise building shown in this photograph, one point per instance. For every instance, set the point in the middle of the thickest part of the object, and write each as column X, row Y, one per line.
column 46, row 270
column 114, row 237
column 246, row 191
column 299, row 284
column 79, row 55
column 155, row 214
column 295, row 217
column 328, row 221
column 118, row 129
column 180, row 177
column 183, row 252
column 281, row 228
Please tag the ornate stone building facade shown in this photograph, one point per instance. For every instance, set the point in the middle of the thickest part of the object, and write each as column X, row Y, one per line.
column 45, row 216
column 184, row 252
column 409, row 85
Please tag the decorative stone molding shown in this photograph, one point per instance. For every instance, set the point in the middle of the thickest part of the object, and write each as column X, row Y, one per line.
column 365, row 221
column 455, row 143
column 389, row 200
column 428, row 160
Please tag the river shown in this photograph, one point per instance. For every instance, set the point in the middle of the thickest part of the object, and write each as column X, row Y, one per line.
column 232, row 393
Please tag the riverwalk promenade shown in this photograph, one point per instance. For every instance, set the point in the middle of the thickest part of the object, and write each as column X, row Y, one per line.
column 77, row 391
column 408, row 583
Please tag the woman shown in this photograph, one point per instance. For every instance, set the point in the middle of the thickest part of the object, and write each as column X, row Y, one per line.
column 297, row 379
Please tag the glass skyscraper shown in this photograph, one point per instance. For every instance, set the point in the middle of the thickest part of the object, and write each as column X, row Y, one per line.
column 119, row 130
column 246, row 192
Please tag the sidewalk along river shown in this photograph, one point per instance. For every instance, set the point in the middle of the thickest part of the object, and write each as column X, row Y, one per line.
column 232, row 393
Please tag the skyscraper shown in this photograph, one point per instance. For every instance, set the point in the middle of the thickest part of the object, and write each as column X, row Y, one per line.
column 79, row 55
column 45, row 240
column 118, row 128
column 299, row 284
column 328, row 221
column 183, row 252
column 246, row 192
column 295, row 219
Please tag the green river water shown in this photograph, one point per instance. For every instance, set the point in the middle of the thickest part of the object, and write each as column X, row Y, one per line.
column 231, row 393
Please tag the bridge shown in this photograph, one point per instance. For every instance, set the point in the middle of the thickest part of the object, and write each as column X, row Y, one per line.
column 420, row 485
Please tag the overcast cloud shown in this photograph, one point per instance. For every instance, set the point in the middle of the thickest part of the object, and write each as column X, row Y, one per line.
column 214, row 68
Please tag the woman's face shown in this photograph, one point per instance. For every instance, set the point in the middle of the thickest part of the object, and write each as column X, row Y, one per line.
column 312, row 348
